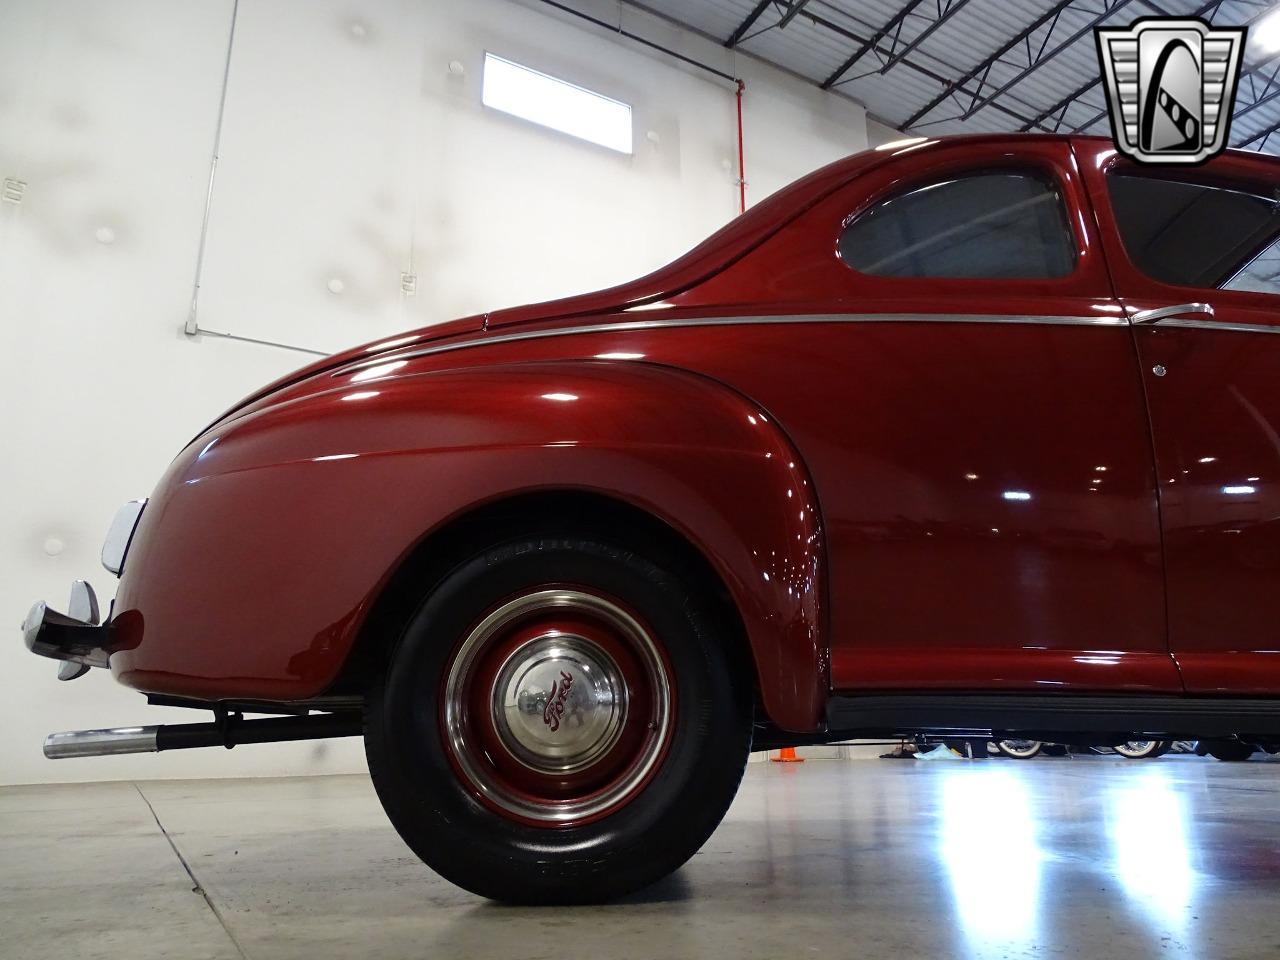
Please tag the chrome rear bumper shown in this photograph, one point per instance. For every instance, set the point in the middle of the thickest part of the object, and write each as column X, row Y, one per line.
column 75, row 636
column 115, row 548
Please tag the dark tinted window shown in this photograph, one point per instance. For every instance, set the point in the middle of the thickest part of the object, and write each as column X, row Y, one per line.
column 996, row 226
column 1198, row 235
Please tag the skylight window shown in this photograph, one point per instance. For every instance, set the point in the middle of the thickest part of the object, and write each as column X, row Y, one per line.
column 554, row 103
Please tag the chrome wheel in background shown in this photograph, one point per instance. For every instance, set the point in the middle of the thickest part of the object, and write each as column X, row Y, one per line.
column 1141, row 749
column 1020, row 749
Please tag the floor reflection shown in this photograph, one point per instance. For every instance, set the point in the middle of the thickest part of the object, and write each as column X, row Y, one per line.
column 1147, row 827
column 991, row 852
column 1084, row 858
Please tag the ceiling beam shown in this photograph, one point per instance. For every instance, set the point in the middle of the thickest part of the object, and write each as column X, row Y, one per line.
column 1062, row 104
column 953, row 7
column 910, row 64
column 736, row 37
column 955, row 85
column 795, row 7
column 870, row 43
column 1262, row 135
column 1046, row 57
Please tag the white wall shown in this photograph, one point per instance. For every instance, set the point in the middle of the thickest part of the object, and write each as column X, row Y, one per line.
column 879, row 133
column 348, row 152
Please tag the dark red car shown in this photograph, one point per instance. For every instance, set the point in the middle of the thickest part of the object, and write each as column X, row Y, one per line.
column 973, row 435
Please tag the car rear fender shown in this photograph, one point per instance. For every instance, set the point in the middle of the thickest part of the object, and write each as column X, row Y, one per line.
column 293, row 517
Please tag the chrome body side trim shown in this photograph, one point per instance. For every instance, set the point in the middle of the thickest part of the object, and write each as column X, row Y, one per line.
column 1223, row 326
column 628, row 326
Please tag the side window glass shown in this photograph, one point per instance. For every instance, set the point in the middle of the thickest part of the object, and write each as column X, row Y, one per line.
column 1198, row 235
column 998, row 225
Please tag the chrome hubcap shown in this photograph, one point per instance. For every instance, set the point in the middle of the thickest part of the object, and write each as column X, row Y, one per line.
column 557, row 707
column 559, row 702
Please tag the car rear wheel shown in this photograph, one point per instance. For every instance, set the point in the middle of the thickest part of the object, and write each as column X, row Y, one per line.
column 562, row 721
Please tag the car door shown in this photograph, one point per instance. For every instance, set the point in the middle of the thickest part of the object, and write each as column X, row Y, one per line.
column 1195, row 256
column 962, row 386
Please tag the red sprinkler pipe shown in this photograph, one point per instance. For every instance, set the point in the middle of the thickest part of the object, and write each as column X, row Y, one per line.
column 742, row 170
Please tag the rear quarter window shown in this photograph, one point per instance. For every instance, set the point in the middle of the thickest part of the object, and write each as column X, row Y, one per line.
column 998, row 225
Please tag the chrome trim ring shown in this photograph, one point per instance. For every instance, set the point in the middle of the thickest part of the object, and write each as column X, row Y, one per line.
column 596, row 709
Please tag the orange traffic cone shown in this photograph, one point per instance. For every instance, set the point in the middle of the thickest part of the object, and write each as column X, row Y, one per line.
column 787, row 755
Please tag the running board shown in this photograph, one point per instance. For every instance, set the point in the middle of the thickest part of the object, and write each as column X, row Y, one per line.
column 1158, row 717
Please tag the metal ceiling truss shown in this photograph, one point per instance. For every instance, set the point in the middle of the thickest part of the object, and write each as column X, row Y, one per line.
column 884, row 44
column 1056, row 114
column 748, row 23
column 892, row 31
column 880, row 49
column 993, row 81
column 1027, row 51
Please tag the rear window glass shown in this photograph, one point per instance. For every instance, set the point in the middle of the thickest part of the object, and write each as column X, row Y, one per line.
column 1198, row 234
column 1001, row 225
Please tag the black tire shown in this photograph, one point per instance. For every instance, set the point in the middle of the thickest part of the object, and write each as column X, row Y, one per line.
column 1228, row 751
column 665, row 819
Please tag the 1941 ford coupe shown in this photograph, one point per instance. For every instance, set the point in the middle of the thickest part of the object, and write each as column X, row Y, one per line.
column 970, row 436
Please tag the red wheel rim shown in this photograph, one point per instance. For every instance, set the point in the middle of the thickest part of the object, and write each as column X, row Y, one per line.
column 558, row 707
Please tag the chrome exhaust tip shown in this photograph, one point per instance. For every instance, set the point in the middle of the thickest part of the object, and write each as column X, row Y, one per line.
column 100, row 743
column 226, row 732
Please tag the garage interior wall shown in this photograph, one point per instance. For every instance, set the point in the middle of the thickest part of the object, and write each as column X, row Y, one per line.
column 361, row 189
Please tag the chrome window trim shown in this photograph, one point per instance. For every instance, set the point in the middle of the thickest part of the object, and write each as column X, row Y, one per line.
column 629, row 326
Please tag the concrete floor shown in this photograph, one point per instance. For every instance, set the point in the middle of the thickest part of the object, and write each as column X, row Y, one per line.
column 1079, row 858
